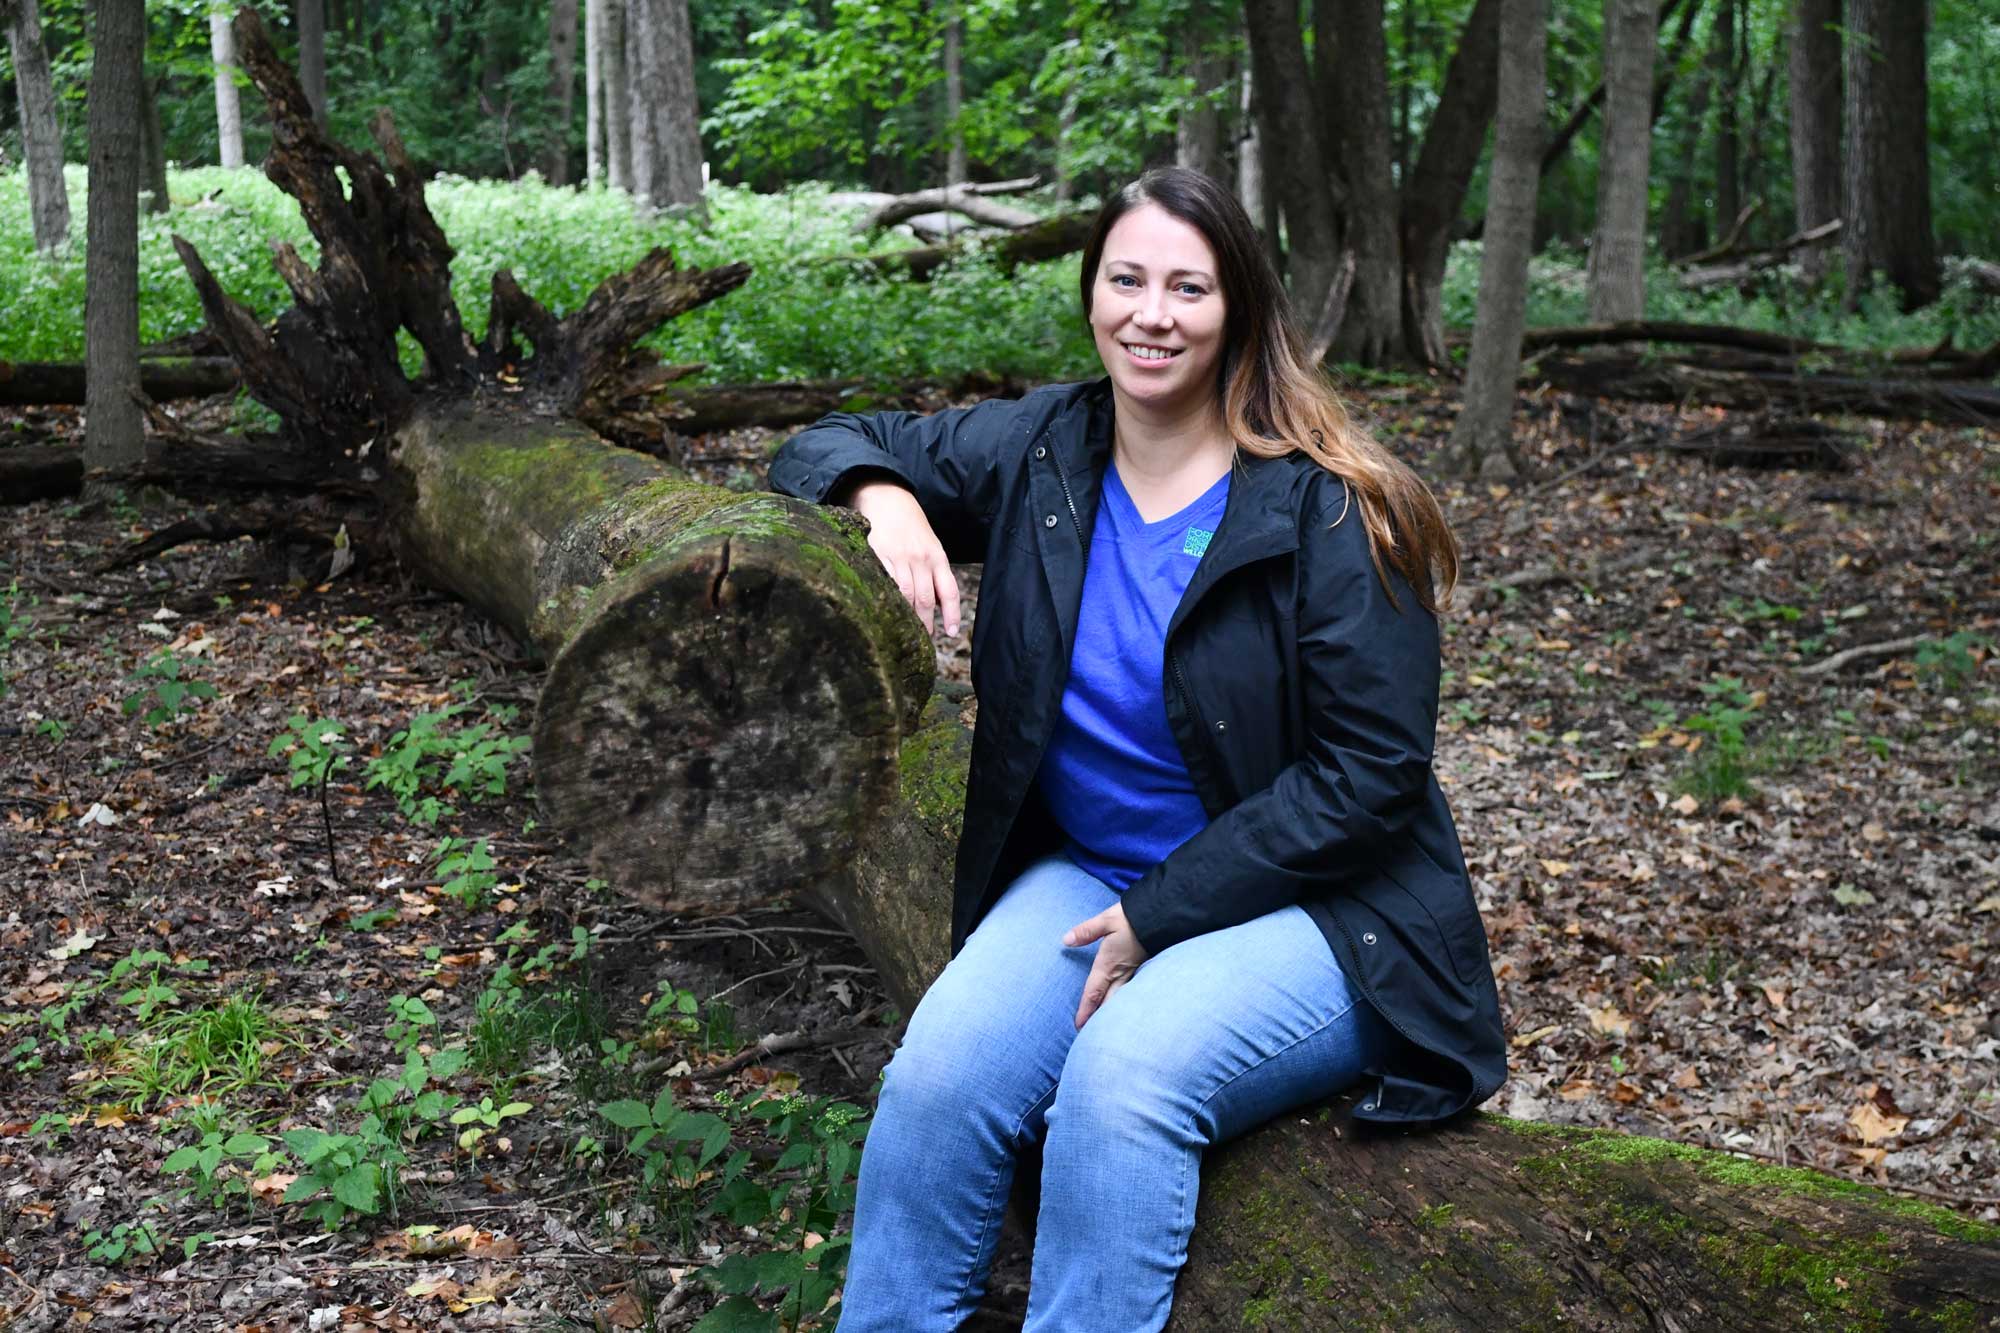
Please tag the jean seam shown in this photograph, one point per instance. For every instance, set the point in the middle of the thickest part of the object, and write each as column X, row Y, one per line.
column 992, row 1207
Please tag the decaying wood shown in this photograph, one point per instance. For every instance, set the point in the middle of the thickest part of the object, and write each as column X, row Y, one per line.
column 1702, row 270
column 1051, row 238
column 972, row 201
column 50, row 383
column 1768, row 387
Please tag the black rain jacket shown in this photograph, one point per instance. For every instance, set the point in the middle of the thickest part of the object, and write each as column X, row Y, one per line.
column 1303, row 700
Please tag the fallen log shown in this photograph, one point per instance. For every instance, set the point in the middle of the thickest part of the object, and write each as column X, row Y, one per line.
column 1699, row 272
column 729, row 677
column 46, row 383
column 973, row 201
column 1632, row 376
column 1051, row 238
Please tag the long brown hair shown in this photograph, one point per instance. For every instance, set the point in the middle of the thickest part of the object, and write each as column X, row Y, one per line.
column 1273, row 400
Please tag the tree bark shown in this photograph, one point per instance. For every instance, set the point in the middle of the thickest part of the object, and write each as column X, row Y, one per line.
column 312, row 55
column 1250, row 191
column 228, row 106
column 1050, row 238
column 562, row 89
column 152, row 150
column 1306, row 191
column 593, row 91
column 1434, row 192
column 957, row 169
column 1888, row 175
column 1815, row 122
column 1725, row 60
column 972, row 201
column 113, row 434
column 41, row 127
column 666, row 137
column 1352, row 53
column 1617, row 273
column 1483, row 435
column 1198, row 136
column 617, row 94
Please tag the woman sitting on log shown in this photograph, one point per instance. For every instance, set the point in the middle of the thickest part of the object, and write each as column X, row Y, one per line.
column 1206, row 873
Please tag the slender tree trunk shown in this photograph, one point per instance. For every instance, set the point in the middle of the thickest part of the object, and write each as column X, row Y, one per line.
column 1483, row 434
column 312, row 55
column 1888, row 220
column 1249, row 152
column 1724, row 59
column 617, row 90
column 113, row 435
column 562, row 90
column 152, row 150
column 1617, row 275
column 1198, row 136
column 956, row 167
column 1434, row 189
column 1682, row 230
column 228, row 107
column 41, row 127
column 666, row 132
column 593, row 91
column 1298, row 177
column 1815, row 128
column 1357, row 80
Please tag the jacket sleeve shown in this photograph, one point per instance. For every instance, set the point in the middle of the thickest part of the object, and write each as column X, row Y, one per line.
column 949, row 460
column 1369, row 672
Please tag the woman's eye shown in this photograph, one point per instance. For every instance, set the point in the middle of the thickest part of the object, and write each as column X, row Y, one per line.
column 1192, row 289
column 1124, row 278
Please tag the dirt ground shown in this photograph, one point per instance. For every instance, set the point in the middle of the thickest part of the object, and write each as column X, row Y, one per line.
column 1732, row 901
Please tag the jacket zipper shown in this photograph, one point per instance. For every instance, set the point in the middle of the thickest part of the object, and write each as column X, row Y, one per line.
column 1368, row 990
column 1062, row 475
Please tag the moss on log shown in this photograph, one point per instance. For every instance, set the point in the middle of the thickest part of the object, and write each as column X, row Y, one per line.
column 730, row 676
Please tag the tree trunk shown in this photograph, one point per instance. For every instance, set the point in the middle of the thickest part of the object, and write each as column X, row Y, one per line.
column 152, row 150
column 1617, row 274
column 1888, row 160
column 956, row 167
column 113, row 435
column 41, row 127
column 562, row 89
column 1198, row 136
column 1298, row 177
column 228, row 107
column 1682, row 231
column 1250, row 191
column 1725, row 59
column 312, row 55
column 1815, row 122
column 32, row 382
column 666, row 132
column 617, row 94
column 1434, row 191
column 593, row 91
column 1483, row 434
column 1351, row 51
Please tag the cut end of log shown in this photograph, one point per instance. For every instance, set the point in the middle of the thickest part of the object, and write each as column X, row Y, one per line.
column 724, row 725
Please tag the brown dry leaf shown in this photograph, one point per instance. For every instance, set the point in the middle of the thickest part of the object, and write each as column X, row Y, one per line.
column 489, row 1287
column 1685, row 1078
column 272, row 1187
column 625, row 1312
column 1625, row 1092
column 1872, row 1125
column 434, row 1288
column 1577, row 1089
column 1872, row 832
column 1527, row 1039
column 112, row 1116
column 1776, row 995
column 1610, row 1021
column 1556, row 869
column 1687, row 805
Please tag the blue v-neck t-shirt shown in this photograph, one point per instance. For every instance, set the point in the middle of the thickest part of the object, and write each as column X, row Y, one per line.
column 1113, row 776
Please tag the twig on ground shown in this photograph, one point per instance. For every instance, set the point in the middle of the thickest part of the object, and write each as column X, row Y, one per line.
column 1861, row 652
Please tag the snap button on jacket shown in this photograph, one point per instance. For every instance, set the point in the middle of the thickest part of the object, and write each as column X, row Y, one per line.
column 1318, row 788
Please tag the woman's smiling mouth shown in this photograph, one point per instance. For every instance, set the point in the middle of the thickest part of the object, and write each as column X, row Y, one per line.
column 1149, row 352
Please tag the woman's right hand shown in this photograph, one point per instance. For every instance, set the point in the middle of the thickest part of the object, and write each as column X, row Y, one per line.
column 903, row 541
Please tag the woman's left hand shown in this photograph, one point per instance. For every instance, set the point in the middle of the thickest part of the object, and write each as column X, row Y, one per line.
column 1118, row 957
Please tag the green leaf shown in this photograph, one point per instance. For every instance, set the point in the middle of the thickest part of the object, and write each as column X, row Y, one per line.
column 627, row 1114
column 738, row 1314
column 180, row 1159
column 303, row 1188
column 243, row 1144
column 310, row 1144
column 447, row 1062
column 516, row 1108
column 361, row 1188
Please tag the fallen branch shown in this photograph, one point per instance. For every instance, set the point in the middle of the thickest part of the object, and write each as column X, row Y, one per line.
column 970, row 200
column 52, row 383
column 1050, row 238
column 1863, row 652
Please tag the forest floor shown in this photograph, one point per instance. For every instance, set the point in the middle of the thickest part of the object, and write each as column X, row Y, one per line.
column 1730, row 903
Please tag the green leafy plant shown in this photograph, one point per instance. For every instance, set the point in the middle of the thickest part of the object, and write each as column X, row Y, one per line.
column 317, row 750
column 410, row 1022
column 429, row 758
column 478, row 1121
column 1950, row 663
column 467, row 871
column 124, row 1242
column 1719, row 769
column 221, row 1164
column 170, row 693
column 13, row 625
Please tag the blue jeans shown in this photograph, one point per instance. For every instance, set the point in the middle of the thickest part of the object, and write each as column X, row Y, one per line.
column 1208, row 1039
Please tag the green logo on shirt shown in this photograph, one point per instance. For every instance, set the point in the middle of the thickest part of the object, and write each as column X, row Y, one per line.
column 1197, row 541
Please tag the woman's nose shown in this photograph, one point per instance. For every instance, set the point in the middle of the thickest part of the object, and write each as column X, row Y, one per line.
column 1152, row 311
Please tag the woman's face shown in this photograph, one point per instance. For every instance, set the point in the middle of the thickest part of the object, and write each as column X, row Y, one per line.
column 1156, row 310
